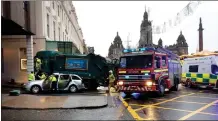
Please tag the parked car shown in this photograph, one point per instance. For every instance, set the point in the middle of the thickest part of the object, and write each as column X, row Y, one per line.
column 69, row 82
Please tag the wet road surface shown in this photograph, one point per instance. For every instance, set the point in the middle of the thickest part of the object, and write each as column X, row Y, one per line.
column 184, row 104
column 114, row 111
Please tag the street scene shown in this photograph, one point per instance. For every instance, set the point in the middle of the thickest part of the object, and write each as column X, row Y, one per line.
column 86, row 60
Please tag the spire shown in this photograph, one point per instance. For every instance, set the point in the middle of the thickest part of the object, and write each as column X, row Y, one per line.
column 180, row 32
column 145, row 14
column 200, row 36
column 117, row 34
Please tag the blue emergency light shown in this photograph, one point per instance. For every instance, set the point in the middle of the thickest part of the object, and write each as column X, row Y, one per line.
column 139, row 49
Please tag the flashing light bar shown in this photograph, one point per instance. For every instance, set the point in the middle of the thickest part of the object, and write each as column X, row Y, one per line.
column 139, row 50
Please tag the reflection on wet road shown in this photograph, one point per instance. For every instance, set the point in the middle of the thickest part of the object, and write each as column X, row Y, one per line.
column 185, row 104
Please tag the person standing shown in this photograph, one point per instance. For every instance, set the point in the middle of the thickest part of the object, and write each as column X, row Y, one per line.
column 31, row 76
column 53, row 79
column 111, row 80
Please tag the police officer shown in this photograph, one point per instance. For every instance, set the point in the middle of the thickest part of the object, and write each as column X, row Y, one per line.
column 53, row 79
column 42, row 76
column 111, row 80
column 38, row 64
column 31, row 76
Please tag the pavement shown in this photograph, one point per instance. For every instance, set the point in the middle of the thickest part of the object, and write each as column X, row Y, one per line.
column 114, row 111
column 84, row 100
column 185, row 104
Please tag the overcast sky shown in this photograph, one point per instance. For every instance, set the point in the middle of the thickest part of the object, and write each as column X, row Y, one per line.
column 100, row 20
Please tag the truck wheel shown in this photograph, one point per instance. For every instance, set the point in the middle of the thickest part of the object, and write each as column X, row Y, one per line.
column 176, row 85
column 161, row 89
column 189, row 84
column 128, row 94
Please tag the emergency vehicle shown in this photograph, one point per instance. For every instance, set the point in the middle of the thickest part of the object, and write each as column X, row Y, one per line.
column 148, row 69
column 200, row 71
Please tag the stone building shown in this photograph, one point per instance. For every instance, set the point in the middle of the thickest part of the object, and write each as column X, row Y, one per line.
column 31, row 26
column 116, row 48
column 181, row 46
column 145, row 31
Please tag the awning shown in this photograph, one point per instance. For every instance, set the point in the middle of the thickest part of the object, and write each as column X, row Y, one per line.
column 9, row 27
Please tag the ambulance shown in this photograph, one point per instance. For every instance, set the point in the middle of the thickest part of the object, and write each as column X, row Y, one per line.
column 200, row 71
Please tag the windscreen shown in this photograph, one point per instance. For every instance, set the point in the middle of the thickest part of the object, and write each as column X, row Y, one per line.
column 140, row 61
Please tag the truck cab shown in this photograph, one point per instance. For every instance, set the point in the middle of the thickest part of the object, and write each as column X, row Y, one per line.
column 148, row 69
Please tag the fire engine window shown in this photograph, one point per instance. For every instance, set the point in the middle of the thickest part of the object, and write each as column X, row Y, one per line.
column 157, row 62
column 140, row 61
column 193, row 68
column 164, row 61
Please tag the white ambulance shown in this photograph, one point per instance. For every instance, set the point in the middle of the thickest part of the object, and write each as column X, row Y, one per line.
column 200, row 71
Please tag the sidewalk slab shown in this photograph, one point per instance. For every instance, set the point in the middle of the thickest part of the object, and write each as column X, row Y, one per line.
column 26, row 101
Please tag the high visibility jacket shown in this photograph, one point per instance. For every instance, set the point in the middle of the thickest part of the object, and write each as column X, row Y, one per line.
column 111, row 78
column 43, row 76
column 38, row 61
column 31, row 77
column 52, row 78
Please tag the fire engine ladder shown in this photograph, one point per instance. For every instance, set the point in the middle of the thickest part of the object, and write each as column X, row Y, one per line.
column 170, row 54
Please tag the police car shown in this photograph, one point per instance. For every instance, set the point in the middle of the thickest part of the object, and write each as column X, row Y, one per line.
column 69, row 82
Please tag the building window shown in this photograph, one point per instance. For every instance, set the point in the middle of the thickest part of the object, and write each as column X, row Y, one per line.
column 53, row 5
column 54, row 30
column 58, row 11
column 23, row 59
column 26, row 12
column 7, row 9
column 59, row 33
column 47, row 25
column 2, row 61
column 164, row 61
column 63, row 36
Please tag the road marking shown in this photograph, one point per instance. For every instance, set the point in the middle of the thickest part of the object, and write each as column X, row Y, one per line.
column 176, row 109
column 187, row 102
column 131, row 111
column 164, row 101
column 199, row 110
column 204, row 97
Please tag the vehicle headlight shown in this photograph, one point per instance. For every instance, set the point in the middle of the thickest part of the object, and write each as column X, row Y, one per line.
column 148, row 83
column 120, row 83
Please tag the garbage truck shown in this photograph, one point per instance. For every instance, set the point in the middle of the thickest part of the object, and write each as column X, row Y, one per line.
column 93, row 69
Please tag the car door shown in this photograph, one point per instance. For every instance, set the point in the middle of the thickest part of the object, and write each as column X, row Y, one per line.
column 63, row 81
column 76, row 80
column 46, row 85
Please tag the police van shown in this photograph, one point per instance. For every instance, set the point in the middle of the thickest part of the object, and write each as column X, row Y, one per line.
column 200, row 71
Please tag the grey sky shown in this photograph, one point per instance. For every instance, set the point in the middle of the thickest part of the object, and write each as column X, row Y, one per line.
column 100, row 20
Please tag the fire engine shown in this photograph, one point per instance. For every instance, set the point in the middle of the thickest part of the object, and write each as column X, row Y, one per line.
column 148, row 69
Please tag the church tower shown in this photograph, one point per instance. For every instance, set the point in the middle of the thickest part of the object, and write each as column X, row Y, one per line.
column 145, row 31
column 116, row 48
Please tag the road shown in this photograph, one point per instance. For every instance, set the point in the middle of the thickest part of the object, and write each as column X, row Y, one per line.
column 185, row 104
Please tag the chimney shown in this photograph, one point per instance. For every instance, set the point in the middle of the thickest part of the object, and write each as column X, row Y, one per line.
column 200, row 36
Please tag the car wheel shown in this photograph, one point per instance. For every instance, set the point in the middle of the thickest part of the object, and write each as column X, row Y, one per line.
column 73, row 89
column 161, row 89
column 35, row 89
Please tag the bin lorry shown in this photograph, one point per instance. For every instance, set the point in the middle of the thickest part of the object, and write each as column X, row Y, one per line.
column 148, row 69
column 93, row 69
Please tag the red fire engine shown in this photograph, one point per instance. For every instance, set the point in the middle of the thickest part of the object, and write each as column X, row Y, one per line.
column 148, row 69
